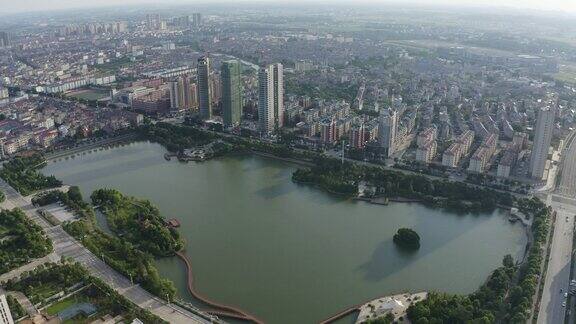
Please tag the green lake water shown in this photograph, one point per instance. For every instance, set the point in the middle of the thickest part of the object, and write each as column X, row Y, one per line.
column 289, row 253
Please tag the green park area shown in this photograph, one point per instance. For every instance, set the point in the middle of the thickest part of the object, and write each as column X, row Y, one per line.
column 89, row 94
column 138, row 221
column 67, row 291
column 122, row 255
column 20, row 240
column 22, row 174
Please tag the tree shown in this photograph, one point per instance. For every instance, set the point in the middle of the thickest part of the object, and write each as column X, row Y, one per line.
column 508, row 261
column 74, row 194
column 407, row 238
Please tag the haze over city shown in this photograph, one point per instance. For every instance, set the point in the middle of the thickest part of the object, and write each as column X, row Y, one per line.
column 561, row 6
column 367, row 162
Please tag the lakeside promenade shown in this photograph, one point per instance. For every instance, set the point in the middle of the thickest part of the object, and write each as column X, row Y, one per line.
column 67, row 246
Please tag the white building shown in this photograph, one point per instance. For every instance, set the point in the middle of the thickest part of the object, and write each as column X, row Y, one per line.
column 271, row 98
column 542, row 139
column 388, row 128
column 278, row 95
column 5, row 315
column 266, row 99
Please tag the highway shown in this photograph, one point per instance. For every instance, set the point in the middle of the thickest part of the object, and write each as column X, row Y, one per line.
column 67, row 246
column 557, row 280
column 558, row 272
column 567, row 186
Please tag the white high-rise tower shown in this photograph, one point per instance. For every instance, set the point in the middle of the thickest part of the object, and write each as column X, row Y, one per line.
column 278, row 95
column 542, row 139
column 266, row 99
column 271, row 98
column 387, row 130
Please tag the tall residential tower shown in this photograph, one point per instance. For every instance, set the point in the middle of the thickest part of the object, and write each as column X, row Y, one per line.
column 387, row 129
column 231, row 93
column 203, row 86
column 278, row 95
column 266, row 99
column 271, row 98
column 542, row 139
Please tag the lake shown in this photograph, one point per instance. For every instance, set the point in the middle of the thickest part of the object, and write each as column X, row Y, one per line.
column 289, row 253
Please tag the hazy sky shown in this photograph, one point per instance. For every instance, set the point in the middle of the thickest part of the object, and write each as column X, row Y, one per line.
column 11, row 6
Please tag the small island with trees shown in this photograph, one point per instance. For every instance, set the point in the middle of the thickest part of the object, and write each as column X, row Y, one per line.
column 407, row 238
column 138, row 221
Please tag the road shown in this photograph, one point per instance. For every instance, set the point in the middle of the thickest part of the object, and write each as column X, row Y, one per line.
column 15, row 273
column 89, row 146
column 67, row 246
column 558, row 272
column 563, row 201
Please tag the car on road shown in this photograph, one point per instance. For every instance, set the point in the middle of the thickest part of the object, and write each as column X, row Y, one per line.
column 563, row 304
column 565, row 295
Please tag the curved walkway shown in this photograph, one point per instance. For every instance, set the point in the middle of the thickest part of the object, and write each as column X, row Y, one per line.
column 222, row 309
column 342, row 314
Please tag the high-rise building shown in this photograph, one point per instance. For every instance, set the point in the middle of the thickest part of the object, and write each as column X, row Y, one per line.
column 542, row 139
column 278, row 95
column 176, row 96
column 388, row 128
column 4, row 39
column 190, row 98
column 153, row 21
column 197, row 19
column 357, row 137
column 271, row 88
column 182, row 93
column 215, row 87
column 328, row 131
column 5, row 315
column 266, row 99
column 203, row 86
column 231, row 93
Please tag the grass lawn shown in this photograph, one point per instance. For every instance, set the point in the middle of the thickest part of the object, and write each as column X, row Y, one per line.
column 43, row 291
column 56, row 308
